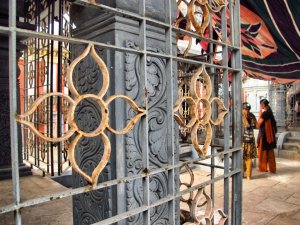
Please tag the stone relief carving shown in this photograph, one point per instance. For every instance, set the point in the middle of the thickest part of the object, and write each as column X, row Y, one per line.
column 93, row 206
column 86, row 75
column 157, row 119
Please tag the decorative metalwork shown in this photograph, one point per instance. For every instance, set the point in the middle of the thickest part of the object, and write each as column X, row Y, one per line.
column 66, row 146
column 196, row 204
column 197, row 7
column 42, row 73
column 42, row 149
column 199, row 103
column 35, row 7
column 30, row 103
column 30, row 75
column 30, row 142
column 77, row 98
column 65, row 109
column 42, row 112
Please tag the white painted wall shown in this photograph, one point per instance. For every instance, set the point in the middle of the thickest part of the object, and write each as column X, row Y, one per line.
column 254, row 91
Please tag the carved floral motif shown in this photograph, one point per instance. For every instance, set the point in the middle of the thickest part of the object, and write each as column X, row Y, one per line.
column 76, row 126
column 157, row 133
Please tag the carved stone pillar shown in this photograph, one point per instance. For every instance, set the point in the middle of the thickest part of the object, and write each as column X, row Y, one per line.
column 125, row 78
column 5, row 148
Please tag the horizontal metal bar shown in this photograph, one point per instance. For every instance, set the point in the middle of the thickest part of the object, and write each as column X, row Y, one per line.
column 29, row 33
column 207, row 164
column 116, row 11
column 151, row 20
column 202, row 38
column 164, row 200
column 120, row 12
column 63, row 194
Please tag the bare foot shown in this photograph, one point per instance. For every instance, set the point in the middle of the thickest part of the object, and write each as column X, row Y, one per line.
column 248, row 178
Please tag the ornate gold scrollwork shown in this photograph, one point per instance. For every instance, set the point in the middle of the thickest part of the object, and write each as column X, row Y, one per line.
column 73, row 102
column 200, row 110
column 199, row 202
column 190, row 18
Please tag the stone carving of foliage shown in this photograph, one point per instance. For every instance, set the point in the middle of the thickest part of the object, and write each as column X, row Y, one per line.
column 157, row 130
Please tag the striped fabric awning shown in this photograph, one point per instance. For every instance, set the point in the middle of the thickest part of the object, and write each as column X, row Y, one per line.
column 270, row 39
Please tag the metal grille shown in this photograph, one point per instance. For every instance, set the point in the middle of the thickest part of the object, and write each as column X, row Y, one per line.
column 199, row 110
column 44, row 59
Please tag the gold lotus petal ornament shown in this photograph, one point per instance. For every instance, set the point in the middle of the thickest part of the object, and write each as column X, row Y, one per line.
column 73, row 103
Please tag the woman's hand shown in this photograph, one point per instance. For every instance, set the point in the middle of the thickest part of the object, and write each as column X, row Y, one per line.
column 260, row 111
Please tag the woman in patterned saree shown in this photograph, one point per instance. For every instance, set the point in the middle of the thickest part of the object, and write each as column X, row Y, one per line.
column 266, row 138
column 249, row 148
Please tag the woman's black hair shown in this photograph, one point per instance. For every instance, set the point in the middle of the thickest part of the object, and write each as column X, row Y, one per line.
column 264, row 101
column 247, row 106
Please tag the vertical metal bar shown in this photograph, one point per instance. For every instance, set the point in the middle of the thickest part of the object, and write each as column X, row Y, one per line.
column 37, row 80
column 59, row 88
column 226, row 103
column 51, row 87
column 48, row 80
column 34, row 91
column 13, row 107
column 212, row 148
column 237, row 118
column 170, row 113
column 212, row 70
column 25, row 140
column 144, row 121
column 231, row 21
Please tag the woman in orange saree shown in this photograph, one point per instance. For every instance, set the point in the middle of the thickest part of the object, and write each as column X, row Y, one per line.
column 266, row 138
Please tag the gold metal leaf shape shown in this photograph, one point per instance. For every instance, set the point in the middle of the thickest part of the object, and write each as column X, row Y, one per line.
column 200, row 81
column 196, row 203
column 219, row 5
column 222, row 111
column 105, row 158
column 188, row 28
column 194, row 136
column 134, row 119
column 203, row 111
column 199, row 27
column 224, row 217
column 188, row 185
column 193, row 111
column 90, row 50
column 33, row 108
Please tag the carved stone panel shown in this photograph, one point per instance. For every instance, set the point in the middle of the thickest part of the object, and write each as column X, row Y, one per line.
column 93, row 206
column 157, row 134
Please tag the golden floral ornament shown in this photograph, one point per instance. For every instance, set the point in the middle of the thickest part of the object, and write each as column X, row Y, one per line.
column 194, row 23
column 73, row 103
column 200, row 109
column 200, row 206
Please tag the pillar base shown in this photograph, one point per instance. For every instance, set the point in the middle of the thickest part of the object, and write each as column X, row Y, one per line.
column 6, row 172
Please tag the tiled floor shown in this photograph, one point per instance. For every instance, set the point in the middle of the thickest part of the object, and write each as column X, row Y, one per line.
column 268, row 199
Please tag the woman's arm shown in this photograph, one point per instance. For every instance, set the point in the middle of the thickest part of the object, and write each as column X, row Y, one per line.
column 260, row 122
